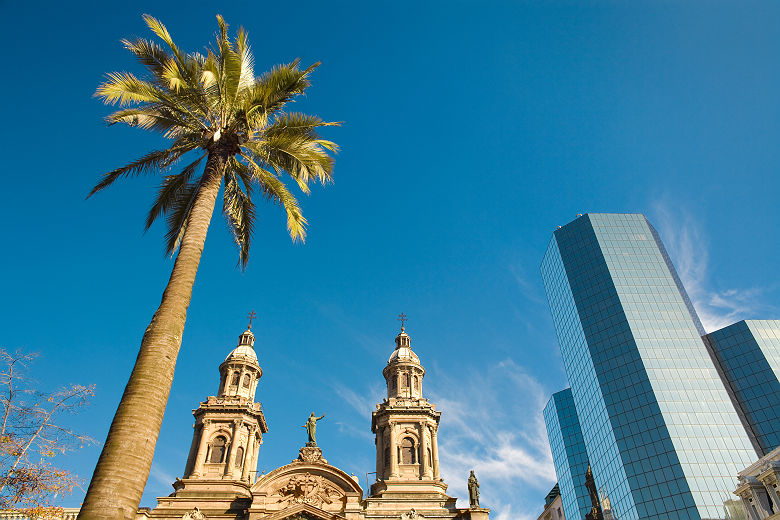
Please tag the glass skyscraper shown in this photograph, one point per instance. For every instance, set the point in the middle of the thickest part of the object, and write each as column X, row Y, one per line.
column 747, row 354
column 662, row 436
column 569, row 455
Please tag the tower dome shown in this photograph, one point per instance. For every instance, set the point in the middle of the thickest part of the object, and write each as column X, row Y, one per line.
column 403, row 372
column 240, row 373
column 403, row 349
column 245, row 348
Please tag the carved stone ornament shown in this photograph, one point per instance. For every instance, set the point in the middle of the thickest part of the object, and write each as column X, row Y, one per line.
column 310, row 454
column 308, row 489
column 195, row 514
column 411, row 515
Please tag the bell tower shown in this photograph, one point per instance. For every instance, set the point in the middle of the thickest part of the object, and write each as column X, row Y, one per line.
column 406, row 427
column 229, row 427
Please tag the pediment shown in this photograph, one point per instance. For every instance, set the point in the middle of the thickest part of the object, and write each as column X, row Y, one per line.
column 303, row 512
column 299, row 472
column 319, row 486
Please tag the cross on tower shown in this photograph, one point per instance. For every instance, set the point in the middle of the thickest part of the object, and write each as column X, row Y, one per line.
column 403, row 319
column 251, row 316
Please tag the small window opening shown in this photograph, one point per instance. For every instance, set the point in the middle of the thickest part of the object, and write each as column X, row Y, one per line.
column 408, row 455
column 217, row 454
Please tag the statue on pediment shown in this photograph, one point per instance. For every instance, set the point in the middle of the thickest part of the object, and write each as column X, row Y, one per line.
column 311, row 428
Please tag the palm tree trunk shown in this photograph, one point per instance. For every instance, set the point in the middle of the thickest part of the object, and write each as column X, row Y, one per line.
column 124, row 464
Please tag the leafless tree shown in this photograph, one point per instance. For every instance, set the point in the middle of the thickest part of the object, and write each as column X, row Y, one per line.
column 30, row 437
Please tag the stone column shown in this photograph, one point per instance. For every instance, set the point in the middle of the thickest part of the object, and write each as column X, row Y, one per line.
column 424, row 469
column 760, row 498
column 435, row 450
column 771, row 477
column 749, row 509
column 205, row 432
column 773, row 495
column 249, row 454
column 380, row 452
column 193, row 451
column 231, row 457
column 393, row 452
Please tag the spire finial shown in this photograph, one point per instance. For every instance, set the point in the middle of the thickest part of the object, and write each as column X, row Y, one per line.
column 251, row 316
column 403, row 319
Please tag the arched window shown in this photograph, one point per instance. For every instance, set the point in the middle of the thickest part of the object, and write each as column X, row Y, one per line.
column 430, row 458
column 416, row 383
column 247, row 378
column 405, row 381
column 408, row 455
column 387, row 456
column 239, row 456
column 236, row 377
column 394, row 384
column 217, row 451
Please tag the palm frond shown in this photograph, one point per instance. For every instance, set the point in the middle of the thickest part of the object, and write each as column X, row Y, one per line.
column 230, row 68
column 161, row 31
column 303, row 158
column 274, row 189
column 295, row 124
column 124, row 88
column 149, row 54
column 155, row 117
column 274, row 89
column 179, row 215
column 239, row 210
column 153, row 161
column 170, row 190
column 247, row 61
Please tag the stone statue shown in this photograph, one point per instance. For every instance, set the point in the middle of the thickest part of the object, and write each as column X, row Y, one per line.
column 311, row 428
column 473, row 490
column 195, row 514
column 595, row 507
column 411, row 515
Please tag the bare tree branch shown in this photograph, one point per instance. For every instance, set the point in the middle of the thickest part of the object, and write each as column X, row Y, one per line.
column 30, row 437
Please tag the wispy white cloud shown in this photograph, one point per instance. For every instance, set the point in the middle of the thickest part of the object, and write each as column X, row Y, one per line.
column 348, row 428
column 688, row 247
column 528, row 289
column 161, row 475
column 363, row 403
column 507, row 512
column 492, row 423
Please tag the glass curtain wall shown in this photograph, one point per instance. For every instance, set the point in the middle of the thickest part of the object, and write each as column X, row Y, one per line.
column 568, row 451
column 748, row 356
column 663, row 438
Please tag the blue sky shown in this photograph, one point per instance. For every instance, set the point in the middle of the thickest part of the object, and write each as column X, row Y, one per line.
column 471, row 131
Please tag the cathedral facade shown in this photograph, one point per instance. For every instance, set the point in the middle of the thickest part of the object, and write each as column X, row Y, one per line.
column 228, row 433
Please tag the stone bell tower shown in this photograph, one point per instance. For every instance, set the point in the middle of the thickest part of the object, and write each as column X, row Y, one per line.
column 229, row 427
column 406, row 428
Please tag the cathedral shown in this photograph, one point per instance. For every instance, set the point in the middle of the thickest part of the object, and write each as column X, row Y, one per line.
column 228, row 433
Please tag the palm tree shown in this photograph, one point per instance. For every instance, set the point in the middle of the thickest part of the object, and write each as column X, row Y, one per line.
column 213, row 106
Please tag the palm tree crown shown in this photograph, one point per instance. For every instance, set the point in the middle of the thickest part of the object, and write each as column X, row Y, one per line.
column 215, row 106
